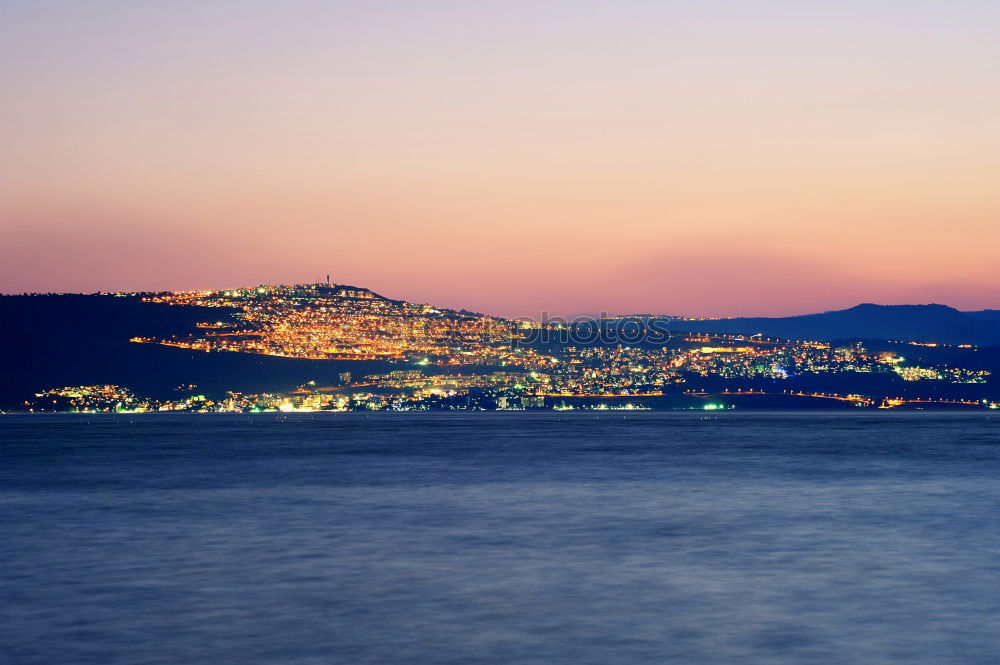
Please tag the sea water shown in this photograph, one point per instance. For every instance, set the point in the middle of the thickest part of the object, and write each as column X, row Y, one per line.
column 462, row 538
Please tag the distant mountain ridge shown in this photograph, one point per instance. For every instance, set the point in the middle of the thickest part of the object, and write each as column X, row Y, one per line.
column 63, row 340
column 917, row 323
column 986, row 314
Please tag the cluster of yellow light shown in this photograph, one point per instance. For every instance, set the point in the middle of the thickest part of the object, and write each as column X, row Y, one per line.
column 317, row 322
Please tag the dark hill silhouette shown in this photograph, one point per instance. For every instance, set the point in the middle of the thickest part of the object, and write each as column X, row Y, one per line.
column 919, row 323
column 49, row 341
column 986, row 315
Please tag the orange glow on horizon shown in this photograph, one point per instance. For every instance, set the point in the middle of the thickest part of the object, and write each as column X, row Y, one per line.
column 561, row 157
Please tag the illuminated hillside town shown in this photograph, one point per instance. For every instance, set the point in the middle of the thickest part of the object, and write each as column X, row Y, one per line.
column 459, row 360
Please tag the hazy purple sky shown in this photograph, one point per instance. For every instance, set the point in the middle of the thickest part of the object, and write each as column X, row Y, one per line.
column 678, row 157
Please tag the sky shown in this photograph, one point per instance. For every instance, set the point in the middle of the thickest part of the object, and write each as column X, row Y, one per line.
column 696, row 158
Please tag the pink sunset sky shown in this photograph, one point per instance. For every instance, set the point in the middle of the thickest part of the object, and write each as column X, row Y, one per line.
column 698, row 158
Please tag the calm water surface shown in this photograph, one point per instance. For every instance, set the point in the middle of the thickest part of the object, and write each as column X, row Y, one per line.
column 574, row 539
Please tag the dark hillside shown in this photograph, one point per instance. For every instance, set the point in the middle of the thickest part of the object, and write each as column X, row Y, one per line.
column 66, row 340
